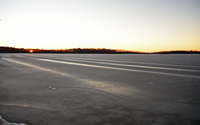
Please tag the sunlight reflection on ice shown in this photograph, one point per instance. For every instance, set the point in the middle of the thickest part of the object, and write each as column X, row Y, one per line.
column 106, row 87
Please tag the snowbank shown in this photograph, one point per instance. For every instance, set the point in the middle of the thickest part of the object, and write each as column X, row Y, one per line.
column 4, row 122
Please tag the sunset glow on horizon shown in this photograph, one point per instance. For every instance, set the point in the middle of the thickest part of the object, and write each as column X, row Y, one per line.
column 140, row 25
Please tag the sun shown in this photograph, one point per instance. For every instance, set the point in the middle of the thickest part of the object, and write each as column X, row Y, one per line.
column 31, row 51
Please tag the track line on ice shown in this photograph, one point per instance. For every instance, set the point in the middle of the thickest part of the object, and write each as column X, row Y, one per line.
column 150, row 67
column 115, row 68
column 141, row 63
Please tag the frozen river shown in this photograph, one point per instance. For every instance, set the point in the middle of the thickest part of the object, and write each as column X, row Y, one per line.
column 100, row 89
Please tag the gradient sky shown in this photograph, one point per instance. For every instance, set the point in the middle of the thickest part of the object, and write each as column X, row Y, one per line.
column 141, row 25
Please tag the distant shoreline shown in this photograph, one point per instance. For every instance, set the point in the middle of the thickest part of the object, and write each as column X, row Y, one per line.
column 90, row 51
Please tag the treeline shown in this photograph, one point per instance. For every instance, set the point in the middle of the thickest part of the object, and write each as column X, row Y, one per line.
column 4, row 49
column 178, row 52
column 73, row 50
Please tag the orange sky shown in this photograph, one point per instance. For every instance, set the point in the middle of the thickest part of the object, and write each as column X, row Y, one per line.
column 121, row 24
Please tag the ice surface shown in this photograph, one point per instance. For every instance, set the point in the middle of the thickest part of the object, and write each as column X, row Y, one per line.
column 56, row 94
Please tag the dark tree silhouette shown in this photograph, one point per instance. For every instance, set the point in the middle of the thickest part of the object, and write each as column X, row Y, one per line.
column 4, row 49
